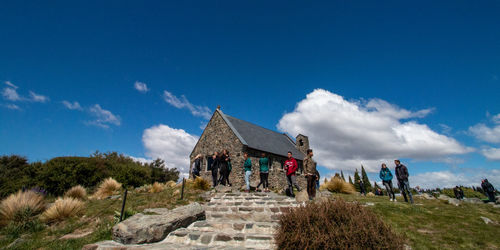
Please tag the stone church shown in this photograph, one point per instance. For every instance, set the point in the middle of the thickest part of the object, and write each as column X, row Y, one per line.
column 238, row 136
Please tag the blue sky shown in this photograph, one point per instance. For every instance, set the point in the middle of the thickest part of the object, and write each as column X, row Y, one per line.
column 421, row 75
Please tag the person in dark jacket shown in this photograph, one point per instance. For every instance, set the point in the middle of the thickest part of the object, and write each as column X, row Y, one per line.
column 459, row 193
column 291, row 167
column 386, row 176
column 488, row 189
column 224, row 167
column 215, row 168
column 197, row 166
column 264, row 172
column 310, row 173
column 362, row 187
column 403, row 183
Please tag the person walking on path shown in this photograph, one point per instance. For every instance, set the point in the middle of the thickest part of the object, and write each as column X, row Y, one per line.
column 215, row 168
column 488, row 189
column 403, row 183
column 264, row 172
column 386, row 176
column 290, row 168
column 225, row 162
column 310, row 172
column 247, row 166
column 197, row 166
column 362, row 189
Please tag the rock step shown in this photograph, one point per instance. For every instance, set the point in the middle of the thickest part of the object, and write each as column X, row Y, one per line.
column 251, row 203
column 250, row 198
column 249, row 216
column 235, row 227
column 249, row 209
column 200, row 238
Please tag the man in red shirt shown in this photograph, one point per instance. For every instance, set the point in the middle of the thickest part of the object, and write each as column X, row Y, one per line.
column 290, row 168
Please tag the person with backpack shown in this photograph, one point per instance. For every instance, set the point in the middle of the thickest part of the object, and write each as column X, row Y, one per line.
column 386, row 176
column 215, row 168
column 197, row 166
column 264, row 172
column 488, row 189
column 247, row 167
column 291, row 167
column 362, row 189
column 403, row 183
column 310, row 172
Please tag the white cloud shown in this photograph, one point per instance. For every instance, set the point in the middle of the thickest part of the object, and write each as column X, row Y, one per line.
column 345, row 134
column 11, row 94
column 38, row 98
column 171, row 145
column 141, row 87
column 10, row 84
column 485, row 133
column 465, row 177
column 200, row 111
column 72, row 106
column 12, row 106
column 104, row 118
column 492, row 154
column 140, row 159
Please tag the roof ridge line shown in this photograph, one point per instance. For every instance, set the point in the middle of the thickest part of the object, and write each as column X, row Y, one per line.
column 232, row 127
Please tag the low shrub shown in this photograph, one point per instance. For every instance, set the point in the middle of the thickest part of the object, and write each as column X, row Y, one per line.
column 156, row 188
column 21, row 207
column 337, row 185
column 170, row 184
column 334, row 225
column 77, row 192
column 107, row 188
column 198, row 183
column 63, row 208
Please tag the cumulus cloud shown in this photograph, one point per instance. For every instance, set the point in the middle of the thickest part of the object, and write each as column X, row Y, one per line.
column 38, row 98
column 485, row 133
column 492, row 154
column 104, row 118
column 465, row 177
column 12, row 106
column 171, row 145
column 10, row 84
column 141, row 87
column 183, row 102
column 72, row 106
column 346, row 134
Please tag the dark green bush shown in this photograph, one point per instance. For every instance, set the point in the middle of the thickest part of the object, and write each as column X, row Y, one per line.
column 334, row 225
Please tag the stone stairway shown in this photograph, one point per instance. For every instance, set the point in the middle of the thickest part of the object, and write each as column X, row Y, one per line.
column 233, row 221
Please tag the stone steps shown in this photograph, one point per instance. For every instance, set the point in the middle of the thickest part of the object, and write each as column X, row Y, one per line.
column 233, row 227
column 192, row 237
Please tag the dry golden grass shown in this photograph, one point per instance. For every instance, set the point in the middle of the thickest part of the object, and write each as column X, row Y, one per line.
column 337, row 185
column 18, row 203
column 77, row 192
column 107, row 188
column 63, row 208
column 199, row 183
column 170, row 184
column 156, row 188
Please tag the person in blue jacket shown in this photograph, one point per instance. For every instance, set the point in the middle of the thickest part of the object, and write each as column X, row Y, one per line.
column 386, row 176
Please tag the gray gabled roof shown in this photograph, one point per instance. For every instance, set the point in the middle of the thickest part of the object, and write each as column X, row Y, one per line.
column 263, row 139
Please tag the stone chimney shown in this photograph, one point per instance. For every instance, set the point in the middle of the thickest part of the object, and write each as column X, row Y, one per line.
column 302, row 143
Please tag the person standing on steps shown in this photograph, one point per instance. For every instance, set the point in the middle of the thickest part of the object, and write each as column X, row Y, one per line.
column 488, row 189
column 264, row 172
column 225, row 161
column 247, row 167
column 197, row 166
column 403, row 183
column 290, row 168
column 310, row 172
column 386, row 176
column 215, row 168
column 362, row 189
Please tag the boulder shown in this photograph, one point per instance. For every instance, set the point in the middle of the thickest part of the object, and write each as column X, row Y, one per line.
column 153, row 225
column 223, row 189
column 452, row 201
column 370, row 194
column 427, row 196
column 302, row 196
column 473, row 200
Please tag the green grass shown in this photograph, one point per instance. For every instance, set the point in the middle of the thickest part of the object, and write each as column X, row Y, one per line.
column 434, row 224
column 99, row 218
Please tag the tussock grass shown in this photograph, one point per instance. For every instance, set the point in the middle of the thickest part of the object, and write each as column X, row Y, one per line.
column 62, row 209
column 156, row 188
column 107, row 188
column 334, row 225
column 170, row 184
column 18, row 206
column 77, row 192
column 198, row 183
column 337, row 185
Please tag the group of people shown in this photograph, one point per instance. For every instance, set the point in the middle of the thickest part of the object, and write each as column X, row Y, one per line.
column 402, row 178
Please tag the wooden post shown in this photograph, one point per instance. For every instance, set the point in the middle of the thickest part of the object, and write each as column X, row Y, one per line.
column 123, row 205
column 183, row 183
